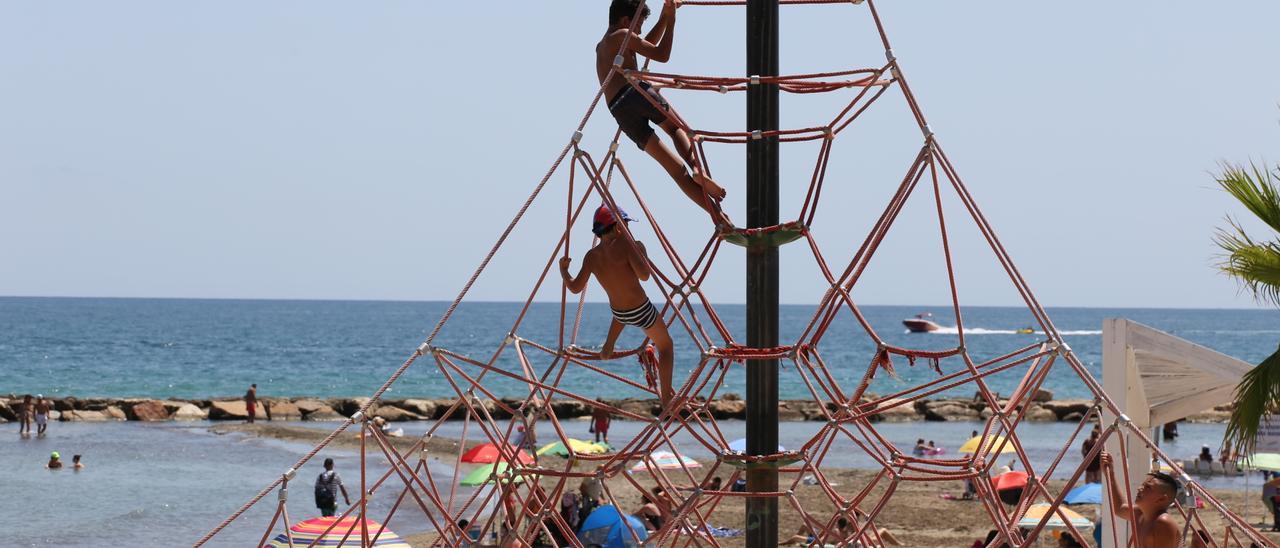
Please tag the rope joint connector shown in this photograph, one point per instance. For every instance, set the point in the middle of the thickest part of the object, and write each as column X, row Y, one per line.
column 618, row 60
column 928, row 132
column 754, row 80
column 283, row 496
column 425, row 348
column 723, row 89
column 577, row 137
column 357, row 417
column 289, row 474
column 613, row 147
column 756, row 135
column 889, row 56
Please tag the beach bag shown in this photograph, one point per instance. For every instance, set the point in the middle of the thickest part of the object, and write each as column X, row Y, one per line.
column 325, row 497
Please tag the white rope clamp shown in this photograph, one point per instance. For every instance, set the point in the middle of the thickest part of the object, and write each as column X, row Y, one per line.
column 618, row 60
column 359, row 416
column 283, row 496
column 928, row 132
column 856, row 2
column 723, row 90
column 755, row 79
column 290, row 473
column 424, row 348
column 613, row 147
column 577, row 137
column 888, row 55
column 756, row 135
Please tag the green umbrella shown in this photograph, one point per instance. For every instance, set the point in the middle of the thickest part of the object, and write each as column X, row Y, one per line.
column 482, row 475
column 1264, row 461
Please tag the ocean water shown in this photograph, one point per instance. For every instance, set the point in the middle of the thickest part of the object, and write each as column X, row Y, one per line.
column 210, row 348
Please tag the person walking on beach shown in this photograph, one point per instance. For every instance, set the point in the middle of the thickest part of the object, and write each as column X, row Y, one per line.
column 619, row 264
column 24, row 416
column 600, row 420
column 42, row 415
column 636, row 106
column 1092, row 471
column 251, row 402
column 328, row 485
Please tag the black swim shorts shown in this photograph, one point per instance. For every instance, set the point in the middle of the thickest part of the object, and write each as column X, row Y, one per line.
column 634, row 112
column 643, row 316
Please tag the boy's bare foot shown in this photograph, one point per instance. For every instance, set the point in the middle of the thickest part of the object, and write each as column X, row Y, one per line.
column 715, row 191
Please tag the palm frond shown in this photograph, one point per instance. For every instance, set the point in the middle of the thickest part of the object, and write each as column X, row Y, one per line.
column 1256, row 395
column 1254, row 264
column 1256, row 188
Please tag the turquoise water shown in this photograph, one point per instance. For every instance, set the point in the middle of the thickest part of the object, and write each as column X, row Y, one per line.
column 205, row 348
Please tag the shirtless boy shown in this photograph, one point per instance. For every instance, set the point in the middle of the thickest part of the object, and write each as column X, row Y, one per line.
column 1155, row 529
column 620, row 267
column 634, row 112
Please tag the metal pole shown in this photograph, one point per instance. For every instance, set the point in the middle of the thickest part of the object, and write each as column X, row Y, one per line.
column 762, row 270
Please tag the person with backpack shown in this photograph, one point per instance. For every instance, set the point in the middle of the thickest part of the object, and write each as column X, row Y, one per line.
column 328, row 484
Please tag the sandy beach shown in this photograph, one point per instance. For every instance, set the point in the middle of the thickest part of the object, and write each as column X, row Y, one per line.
column 917, row 514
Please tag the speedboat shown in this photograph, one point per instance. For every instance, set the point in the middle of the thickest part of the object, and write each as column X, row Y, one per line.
column 922, row 323
column 1026, row 331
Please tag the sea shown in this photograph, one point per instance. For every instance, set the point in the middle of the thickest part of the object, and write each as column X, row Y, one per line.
column 167, row 484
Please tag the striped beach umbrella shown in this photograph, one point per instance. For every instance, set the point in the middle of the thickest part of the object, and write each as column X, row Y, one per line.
column 313, row 532
column 481, row 475
column 665, row 460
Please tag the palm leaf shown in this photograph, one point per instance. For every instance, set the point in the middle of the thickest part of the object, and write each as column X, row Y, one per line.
column 1256, row 189
column 1256, row 395
column 1254, row 264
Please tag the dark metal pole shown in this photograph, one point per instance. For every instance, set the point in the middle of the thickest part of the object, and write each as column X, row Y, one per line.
column 762, row 270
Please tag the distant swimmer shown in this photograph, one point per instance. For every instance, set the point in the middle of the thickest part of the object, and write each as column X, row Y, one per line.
column 76, row 464
column 620, row 264
column 636, row 106
column 55, row 461
column 1154, row 527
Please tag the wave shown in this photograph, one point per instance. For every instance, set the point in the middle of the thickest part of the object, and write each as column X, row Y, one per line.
column 984, row 331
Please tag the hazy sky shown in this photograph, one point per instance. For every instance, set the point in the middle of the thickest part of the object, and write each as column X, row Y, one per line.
column 375, row 150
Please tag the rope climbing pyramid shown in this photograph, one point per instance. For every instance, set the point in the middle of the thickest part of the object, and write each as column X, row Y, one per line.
column 518, row 497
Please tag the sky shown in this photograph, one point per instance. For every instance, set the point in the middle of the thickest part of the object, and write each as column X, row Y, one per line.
column 376, row 150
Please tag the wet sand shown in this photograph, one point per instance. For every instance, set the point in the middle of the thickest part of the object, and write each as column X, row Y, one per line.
column 916, row 513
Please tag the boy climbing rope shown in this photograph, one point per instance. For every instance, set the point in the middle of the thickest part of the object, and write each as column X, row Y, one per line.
column 620, row 267
column 634, row 112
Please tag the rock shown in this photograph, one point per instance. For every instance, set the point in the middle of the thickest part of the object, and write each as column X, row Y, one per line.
column 1039, row 414
column 395, row 414
column 189, row 412
column 233, row 410
column 644, row 408
column 147, row 411
column 115, row 413
column 8, row 413
column 567, row 409
column 730, row 396
column 812, row 411
column 283, row 410
column 1073, row 417
column 349, row 407
column 949, row 411
column 1042, row 396
column 94, row 404
column 55, row 415
column 789, row 411
column 426, row 408
column 893, row 410
column 725, row 409
column 323, row 413
column 1062, row 408
column 85, row 416
column 65, row 404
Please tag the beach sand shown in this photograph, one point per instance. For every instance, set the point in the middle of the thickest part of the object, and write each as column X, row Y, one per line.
column 916, row 514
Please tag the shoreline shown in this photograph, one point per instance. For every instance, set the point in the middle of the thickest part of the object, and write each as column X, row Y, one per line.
column 730, row 407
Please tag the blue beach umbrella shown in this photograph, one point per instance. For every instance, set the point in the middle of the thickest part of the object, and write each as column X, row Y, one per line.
column 607, row 527
column 1089, row 493
column 740, row 445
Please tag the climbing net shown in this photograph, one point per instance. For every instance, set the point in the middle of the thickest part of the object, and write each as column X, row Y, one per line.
column 520, row 501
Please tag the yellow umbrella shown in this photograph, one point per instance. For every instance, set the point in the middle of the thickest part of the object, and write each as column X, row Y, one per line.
column 580, row 447
column 1037, row 511
column 971, row 446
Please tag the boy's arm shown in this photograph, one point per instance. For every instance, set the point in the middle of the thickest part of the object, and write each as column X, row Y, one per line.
column 638, row 258
column 1118, row 507
column 657, row 50
column 575, row 284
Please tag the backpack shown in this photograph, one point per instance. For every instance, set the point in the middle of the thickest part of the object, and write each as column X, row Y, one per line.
column 325, row 497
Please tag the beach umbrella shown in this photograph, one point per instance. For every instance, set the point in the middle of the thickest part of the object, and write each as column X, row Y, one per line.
column 580, row 447
column 609, row 528
column 1009, row 486
column 1089, row 493
column 971, row 446
column 604, row 446
column 487, row 453
column 1264, row 461
column 740, row 445
column 480, row 476
column 1037, row 511
column 665, row 460
column 312, row 531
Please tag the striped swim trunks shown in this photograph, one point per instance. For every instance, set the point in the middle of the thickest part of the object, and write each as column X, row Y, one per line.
column 642, row 316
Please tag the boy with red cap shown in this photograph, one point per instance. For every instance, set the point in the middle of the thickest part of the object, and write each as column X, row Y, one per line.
column 620, row 267
column 635, row 107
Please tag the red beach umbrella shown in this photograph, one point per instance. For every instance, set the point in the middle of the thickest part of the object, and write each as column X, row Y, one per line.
column 1010, row 485
column 487, row 453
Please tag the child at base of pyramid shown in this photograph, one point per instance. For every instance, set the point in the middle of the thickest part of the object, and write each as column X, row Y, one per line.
column 636, row 106
column 620, row 266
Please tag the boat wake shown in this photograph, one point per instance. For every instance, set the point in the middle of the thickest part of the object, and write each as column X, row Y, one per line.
column 982, row 331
